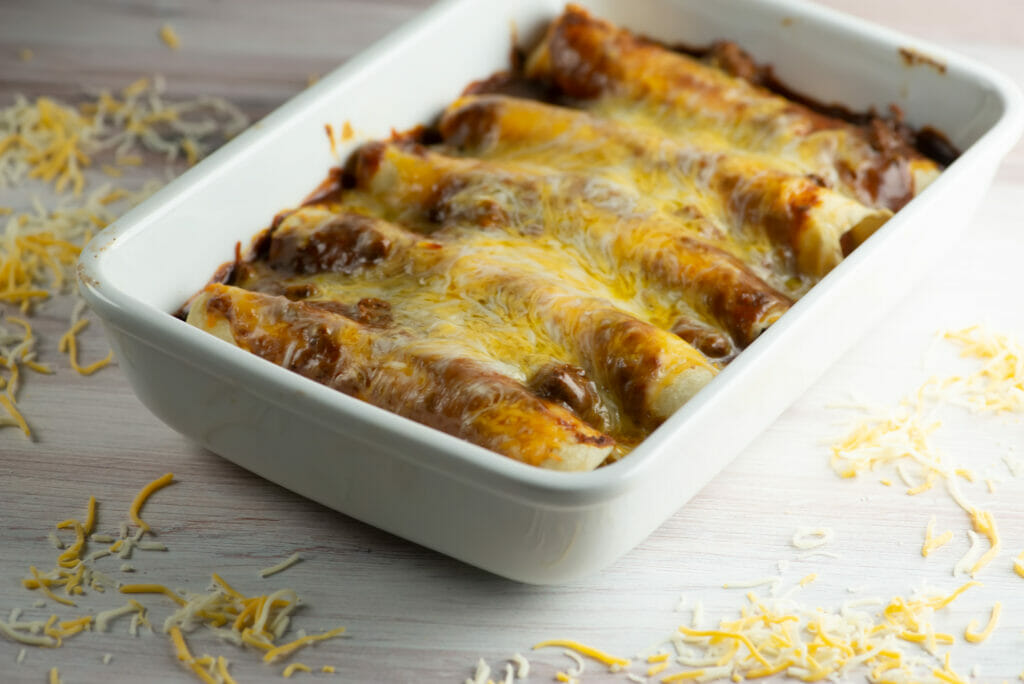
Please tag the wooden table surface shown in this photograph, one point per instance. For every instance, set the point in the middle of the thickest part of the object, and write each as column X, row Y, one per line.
column 412, row 614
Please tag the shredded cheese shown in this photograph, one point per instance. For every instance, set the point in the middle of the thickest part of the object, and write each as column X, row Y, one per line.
column 522, row 666
column 281, row 567
column 285, row 650
column 47, row 141
column 293, row 668
column 812, row 537
column 143, row 495
column 589, row 651
column 683, row 676
column 931, row 542
column 902, row 438
column 972, row 634
column 170, row 37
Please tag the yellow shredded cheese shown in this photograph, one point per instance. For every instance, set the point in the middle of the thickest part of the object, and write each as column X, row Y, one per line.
column 931, row 542
column 293, row 668
column 170, row 37
column 54, row 676
column 589, row 651
column 69, row 345
column 143, row 495
column 656, row 669
column 152, row 589
column 47, row 141
column 972, row 634
column 985, row 525
column 278, row 652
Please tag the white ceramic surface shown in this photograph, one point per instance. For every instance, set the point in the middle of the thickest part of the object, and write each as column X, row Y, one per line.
column 514, row 520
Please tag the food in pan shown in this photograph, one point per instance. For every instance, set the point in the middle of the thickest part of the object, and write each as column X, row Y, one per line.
column 572, row 251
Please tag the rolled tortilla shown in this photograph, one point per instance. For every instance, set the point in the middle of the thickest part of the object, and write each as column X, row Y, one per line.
column 457, row 394
column 753, row 196
column 648, row 372
column 628, row 244
column 622, row 75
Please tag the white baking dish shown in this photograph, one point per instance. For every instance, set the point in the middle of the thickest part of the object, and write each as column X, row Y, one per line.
column 525, row 523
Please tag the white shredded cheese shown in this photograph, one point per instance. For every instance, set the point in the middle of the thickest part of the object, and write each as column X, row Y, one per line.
column 968, row 560
column 812, row 537
column 280, row 567
column 103, row 619
column 522, row 666
column 483, row 671
column 578, row 669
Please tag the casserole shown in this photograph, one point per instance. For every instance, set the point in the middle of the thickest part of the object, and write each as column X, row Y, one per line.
column 524, row 523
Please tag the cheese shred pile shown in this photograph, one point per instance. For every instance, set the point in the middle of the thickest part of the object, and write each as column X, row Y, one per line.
column 902, row 438
column 258, row 622
column 52, row 143
column 895, row 642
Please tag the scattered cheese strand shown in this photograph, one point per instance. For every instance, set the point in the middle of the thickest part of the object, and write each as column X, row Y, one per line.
column 998, row 386
column 481, row 673
column 54, row 143
column 278, row 652
column 186, row 657
column 54, row 676
column 222, row 670
column 522, row 666
column 69, row 345
column 293, row 668
column 600, row 656
column 152, row 589
column 904, row 435
column 143, row 495
column 170, row 37
column 280, row 567
column 931, row 542
column 972, row 634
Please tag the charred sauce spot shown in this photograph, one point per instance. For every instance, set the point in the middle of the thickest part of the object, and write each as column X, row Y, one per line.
column 342, row 245
column 568, row 385
column 912, row 57
column 713, row 343
column 369, row 311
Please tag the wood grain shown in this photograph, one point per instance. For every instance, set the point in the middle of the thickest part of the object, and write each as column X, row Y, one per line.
column 414, row 615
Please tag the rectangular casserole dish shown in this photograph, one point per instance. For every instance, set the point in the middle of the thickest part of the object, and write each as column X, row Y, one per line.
column 525, row 523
